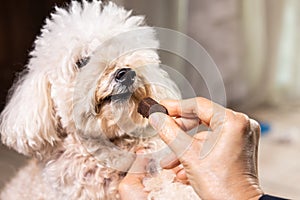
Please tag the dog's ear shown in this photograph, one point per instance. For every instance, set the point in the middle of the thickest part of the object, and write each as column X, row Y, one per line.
column 28, row 121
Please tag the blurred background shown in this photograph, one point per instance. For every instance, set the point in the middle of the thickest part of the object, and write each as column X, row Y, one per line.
column 254, row 43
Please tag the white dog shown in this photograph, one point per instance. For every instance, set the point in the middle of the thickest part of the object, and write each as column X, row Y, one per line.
column 74, row 110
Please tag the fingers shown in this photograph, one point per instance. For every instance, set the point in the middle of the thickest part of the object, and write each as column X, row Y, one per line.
column 169, row 162
column 181, row 175
column 131, row 186
column 187, row 124
column 189, row 108
column 139, row 165
column 202, row 136
column 170, row 133
column 201, row 108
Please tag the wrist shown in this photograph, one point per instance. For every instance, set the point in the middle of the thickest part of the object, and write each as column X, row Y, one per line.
column 238, row 188
column 244, row 188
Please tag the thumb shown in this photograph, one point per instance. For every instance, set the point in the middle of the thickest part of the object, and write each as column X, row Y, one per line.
column 178, row 140
column 131, row 187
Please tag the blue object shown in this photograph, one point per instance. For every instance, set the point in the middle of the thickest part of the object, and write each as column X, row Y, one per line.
column 265, row 127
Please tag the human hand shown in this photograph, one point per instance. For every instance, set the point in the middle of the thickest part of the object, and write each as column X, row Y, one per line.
column 229, row 171
column 131, row 187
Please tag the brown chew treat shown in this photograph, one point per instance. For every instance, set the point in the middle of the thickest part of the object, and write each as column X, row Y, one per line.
column 148, row 106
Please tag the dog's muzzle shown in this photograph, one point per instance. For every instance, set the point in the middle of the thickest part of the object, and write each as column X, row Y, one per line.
column 125, row 76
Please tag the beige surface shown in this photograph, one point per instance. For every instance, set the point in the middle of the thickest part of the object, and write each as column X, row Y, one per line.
column 280, row 168
column 279, row 160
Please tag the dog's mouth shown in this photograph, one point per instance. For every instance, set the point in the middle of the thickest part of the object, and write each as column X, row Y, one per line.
column 133, row 95
column 118, row 97
column 127, row 88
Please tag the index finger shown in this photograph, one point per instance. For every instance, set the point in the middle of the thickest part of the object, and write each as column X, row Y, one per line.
column 205, row 110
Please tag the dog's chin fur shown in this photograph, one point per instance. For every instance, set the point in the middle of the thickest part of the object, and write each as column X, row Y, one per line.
column 81, row 140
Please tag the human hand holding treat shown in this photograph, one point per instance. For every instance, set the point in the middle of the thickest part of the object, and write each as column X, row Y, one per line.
column 229, row 171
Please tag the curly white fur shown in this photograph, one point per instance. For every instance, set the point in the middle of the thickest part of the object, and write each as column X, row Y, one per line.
column 58, row 113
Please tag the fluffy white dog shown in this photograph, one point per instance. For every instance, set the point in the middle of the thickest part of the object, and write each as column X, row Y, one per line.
column 74, row 110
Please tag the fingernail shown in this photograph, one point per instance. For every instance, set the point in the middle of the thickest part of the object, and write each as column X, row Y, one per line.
column 141, row 151
column 156, row 120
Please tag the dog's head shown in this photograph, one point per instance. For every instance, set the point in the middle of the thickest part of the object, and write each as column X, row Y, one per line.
column 91, row 66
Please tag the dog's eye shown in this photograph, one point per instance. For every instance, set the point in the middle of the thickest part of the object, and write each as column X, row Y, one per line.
column 82, row 62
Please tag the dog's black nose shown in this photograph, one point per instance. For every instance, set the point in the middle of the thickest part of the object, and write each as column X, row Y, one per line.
column 125, row 76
